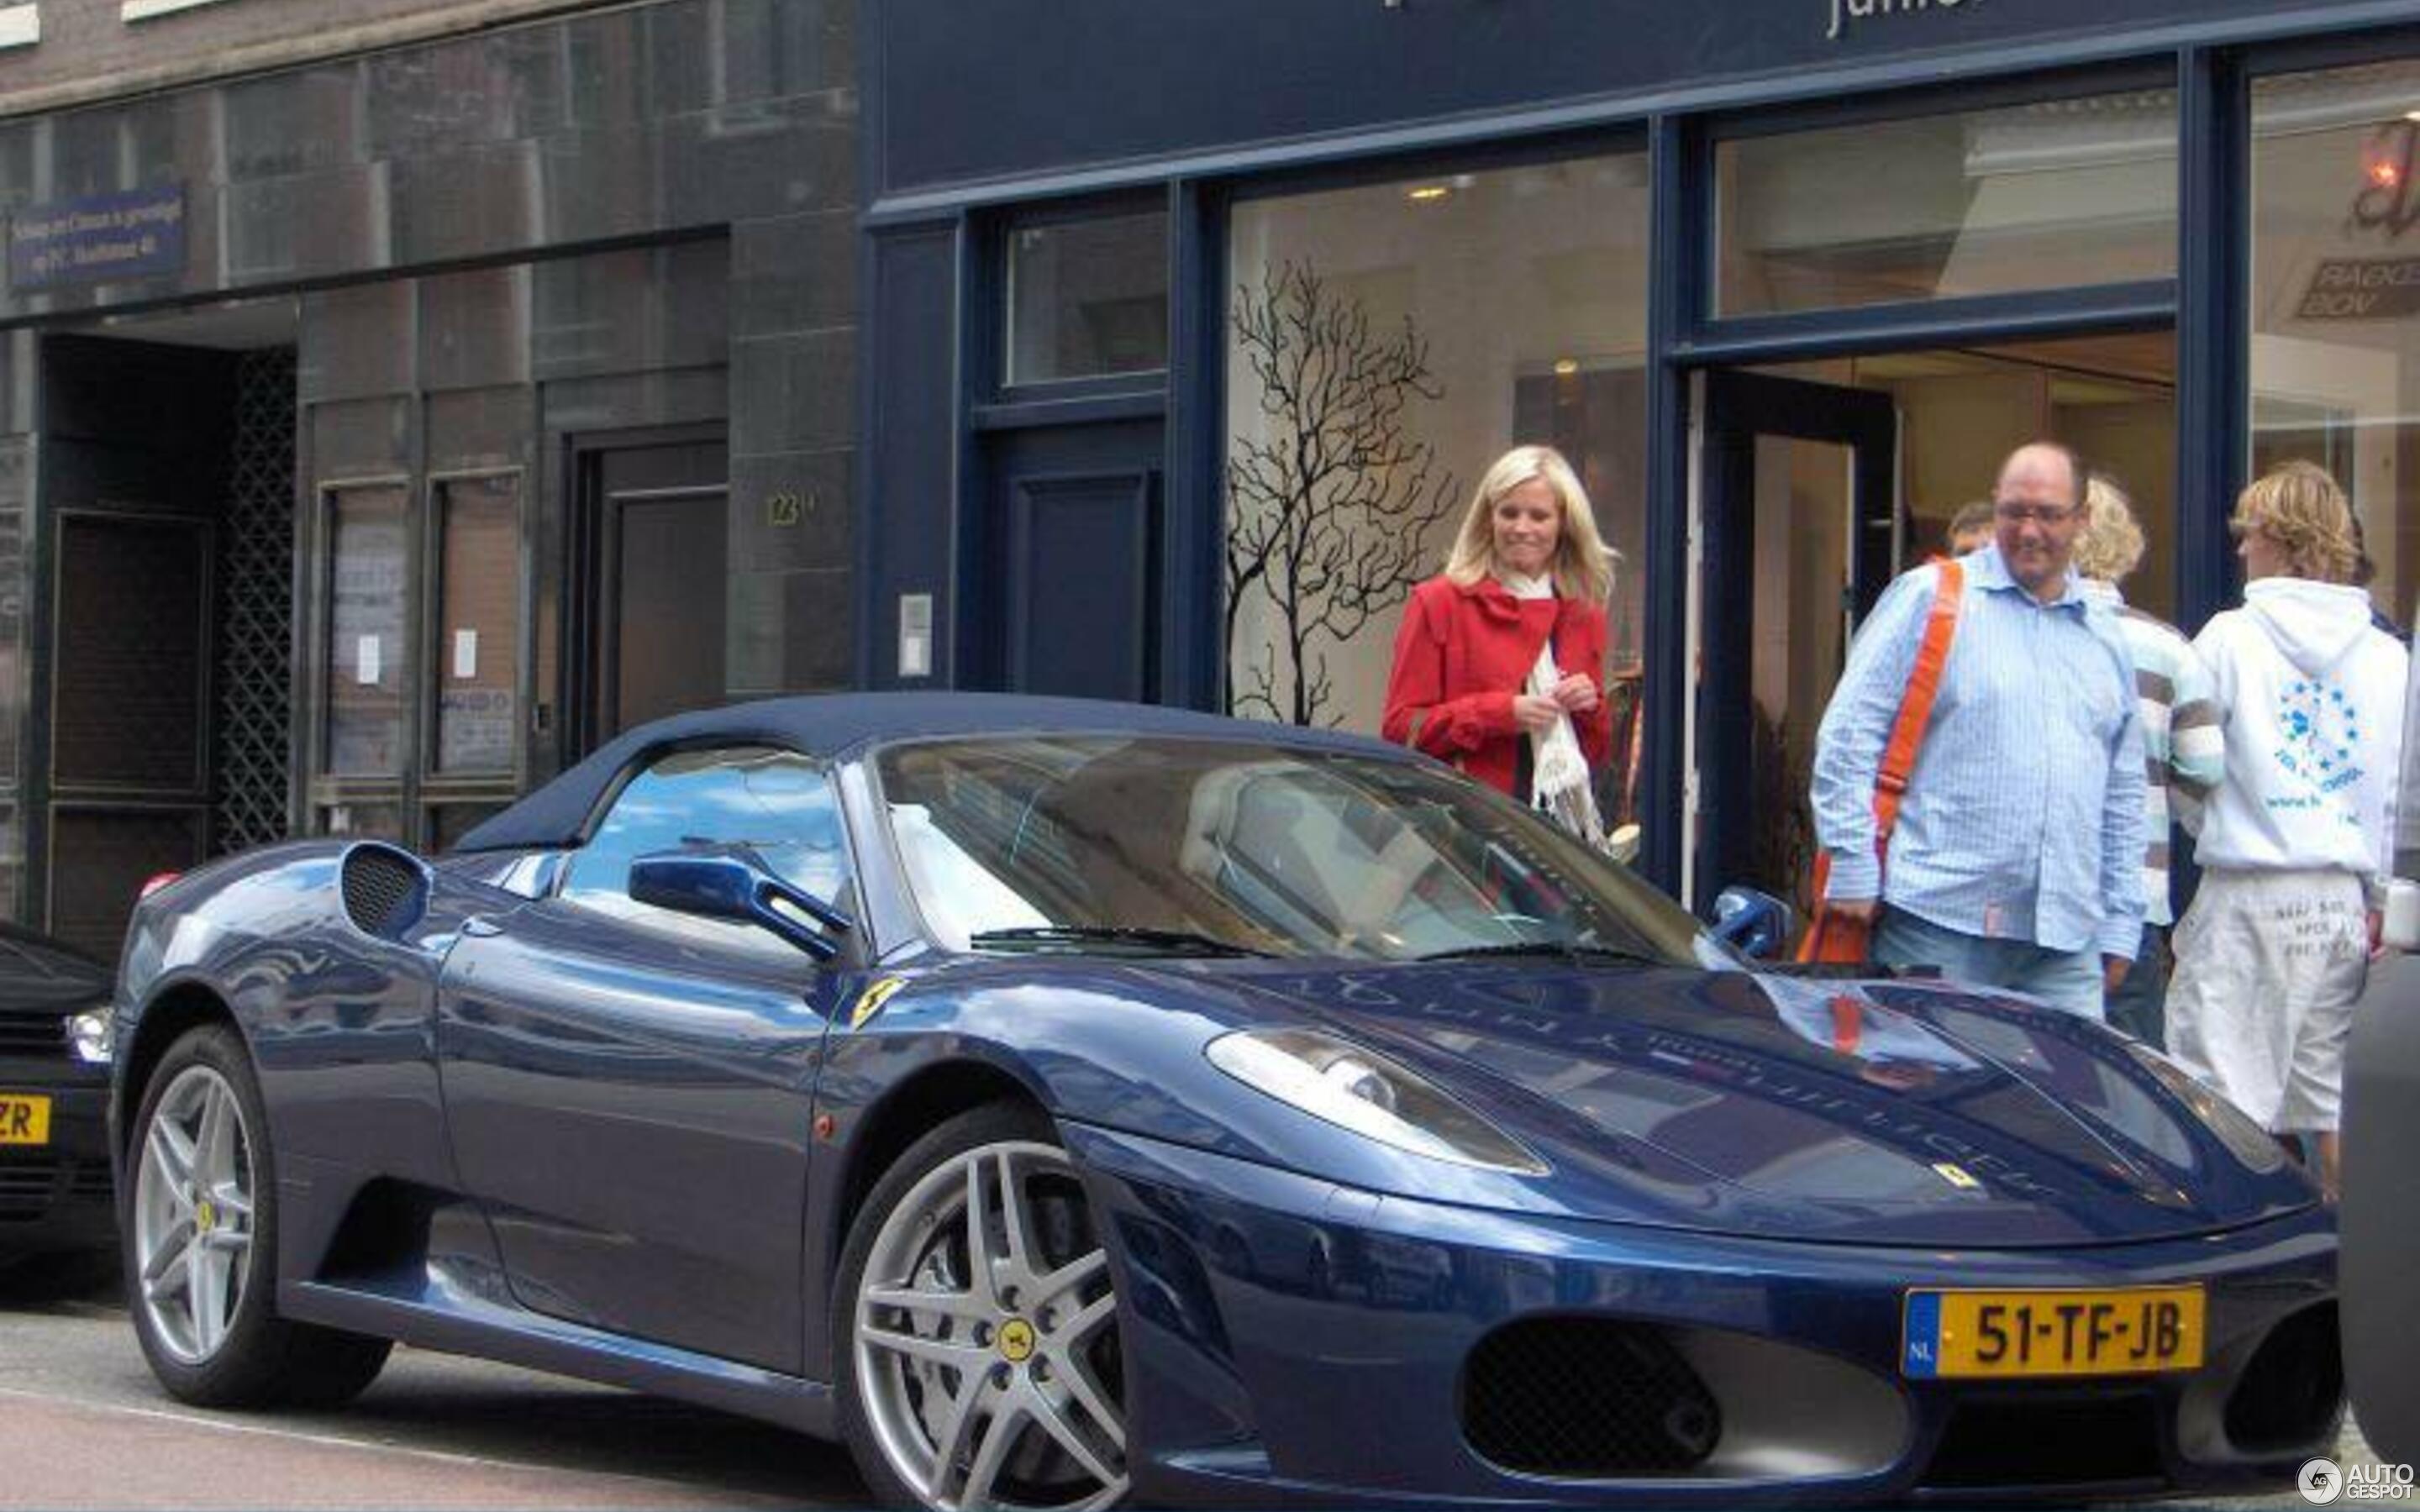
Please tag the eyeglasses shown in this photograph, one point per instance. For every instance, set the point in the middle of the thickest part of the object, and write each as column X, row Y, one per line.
column 2017, row 514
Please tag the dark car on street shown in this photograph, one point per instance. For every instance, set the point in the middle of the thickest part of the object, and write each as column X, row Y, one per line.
column 55, row 1186
column 1066, row 1103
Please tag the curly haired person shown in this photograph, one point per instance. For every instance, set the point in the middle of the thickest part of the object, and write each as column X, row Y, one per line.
column 2295, row 843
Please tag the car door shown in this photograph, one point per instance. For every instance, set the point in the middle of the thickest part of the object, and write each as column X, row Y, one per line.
column 629, row 1089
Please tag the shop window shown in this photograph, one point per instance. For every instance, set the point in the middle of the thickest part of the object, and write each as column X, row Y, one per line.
column 479, row 619
column 2051, row 194
column 364, row 656
column 1087, row 299
column 2336, row 296
column 1385, row 344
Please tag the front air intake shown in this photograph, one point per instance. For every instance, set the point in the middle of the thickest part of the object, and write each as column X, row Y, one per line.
column 1587, row 1399
column 2047, row 1440
column 2286, row 1399
column 383, row 890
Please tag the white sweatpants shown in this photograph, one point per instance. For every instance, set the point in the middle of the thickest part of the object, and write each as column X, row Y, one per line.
column 2269, row 965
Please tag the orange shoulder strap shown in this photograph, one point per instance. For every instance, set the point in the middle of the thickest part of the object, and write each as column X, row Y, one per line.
column 1916, row 707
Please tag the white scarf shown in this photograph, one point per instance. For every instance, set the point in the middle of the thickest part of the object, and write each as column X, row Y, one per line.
column 1558, row 773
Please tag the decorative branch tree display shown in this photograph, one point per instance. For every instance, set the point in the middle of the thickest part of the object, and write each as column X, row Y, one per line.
column 1329, row 505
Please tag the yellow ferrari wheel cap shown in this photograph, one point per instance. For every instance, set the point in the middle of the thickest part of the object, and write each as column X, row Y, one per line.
column 1016, row 1340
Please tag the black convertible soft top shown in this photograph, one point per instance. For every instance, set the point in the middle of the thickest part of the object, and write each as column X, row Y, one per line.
column 830, row 725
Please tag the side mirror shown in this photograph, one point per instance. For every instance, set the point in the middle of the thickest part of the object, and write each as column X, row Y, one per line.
column 1758, row 923
column 738, row 887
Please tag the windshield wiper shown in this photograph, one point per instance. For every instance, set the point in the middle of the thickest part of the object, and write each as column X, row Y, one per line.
column 1050, row 937
column 1546, row 951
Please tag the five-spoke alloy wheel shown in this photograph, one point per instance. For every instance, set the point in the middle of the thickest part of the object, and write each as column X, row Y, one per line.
column 980, row 1365
column 194, row 1186
column 199, row 1228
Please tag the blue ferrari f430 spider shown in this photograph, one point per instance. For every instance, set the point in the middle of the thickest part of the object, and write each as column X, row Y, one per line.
column 1065, row 1103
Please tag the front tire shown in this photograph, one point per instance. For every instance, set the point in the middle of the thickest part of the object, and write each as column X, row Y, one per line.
column 977, row 1327
column 200, row 1237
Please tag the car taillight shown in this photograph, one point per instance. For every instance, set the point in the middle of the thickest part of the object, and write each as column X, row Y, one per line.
column 156, row 881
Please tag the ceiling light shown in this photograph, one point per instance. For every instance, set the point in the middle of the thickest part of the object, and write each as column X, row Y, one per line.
column 1566, row 366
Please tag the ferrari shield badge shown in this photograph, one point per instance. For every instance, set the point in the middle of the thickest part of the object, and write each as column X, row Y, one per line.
column 870, row 1001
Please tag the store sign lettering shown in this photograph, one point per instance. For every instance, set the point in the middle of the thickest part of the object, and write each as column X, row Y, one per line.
column 1846, row 11
column 139, row 234
column 2361, row 288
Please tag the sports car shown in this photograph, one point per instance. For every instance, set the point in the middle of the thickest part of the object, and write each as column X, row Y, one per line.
column 1066, row 1102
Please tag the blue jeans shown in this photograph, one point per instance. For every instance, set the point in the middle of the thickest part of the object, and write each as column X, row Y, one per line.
column 2139, row 1006
column 2068, row 980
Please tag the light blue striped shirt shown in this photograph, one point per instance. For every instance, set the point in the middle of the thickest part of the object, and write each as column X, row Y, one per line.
column 2024, row 817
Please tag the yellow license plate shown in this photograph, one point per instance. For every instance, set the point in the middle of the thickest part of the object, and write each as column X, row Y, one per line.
column 24, row 1119
column 2025, row 1334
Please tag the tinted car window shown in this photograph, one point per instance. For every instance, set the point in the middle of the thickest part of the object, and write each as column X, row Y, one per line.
column 1260, row 847
column 777, row 803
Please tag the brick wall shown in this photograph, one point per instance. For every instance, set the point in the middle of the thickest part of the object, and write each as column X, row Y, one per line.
column 89, row 52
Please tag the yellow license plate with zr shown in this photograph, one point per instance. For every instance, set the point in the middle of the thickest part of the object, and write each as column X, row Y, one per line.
column 24, row 1119
column 2022, row 1335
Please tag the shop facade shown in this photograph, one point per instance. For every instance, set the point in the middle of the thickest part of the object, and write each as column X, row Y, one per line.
column 379, row 434
column 1191, row 324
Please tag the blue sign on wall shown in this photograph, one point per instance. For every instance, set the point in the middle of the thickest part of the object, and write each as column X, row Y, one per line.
column 136, row 234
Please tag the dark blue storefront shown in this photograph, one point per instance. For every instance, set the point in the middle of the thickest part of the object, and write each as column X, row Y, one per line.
column 1782, row 276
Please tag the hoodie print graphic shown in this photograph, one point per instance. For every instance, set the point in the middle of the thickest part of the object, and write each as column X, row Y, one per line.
column 2321, row 731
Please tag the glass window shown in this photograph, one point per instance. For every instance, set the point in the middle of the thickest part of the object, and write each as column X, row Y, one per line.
column 2045, row 195
column 478, row 625
column 1104, row 843
column 367, row 645
column 2336, row 296
column 776, row 803
column 1088, row 299
column 1385, row 345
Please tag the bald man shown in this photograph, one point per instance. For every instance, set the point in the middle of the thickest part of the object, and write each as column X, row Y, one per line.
column 2017, row 861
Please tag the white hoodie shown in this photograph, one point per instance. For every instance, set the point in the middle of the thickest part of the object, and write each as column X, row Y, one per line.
column 2311, row 695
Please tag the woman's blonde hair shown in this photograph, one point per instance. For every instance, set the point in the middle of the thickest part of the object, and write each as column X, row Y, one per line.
column 2110, row 546
column 2300, row 508
column 1583, row 562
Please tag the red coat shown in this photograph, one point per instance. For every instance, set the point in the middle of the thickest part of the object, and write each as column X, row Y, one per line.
column 1462, row 653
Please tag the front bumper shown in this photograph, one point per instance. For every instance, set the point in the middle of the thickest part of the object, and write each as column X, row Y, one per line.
column 56, row 1195
column 1289, row 1340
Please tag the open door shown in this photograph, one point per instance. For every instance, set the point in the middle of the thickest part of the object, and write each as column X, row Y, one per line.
column 1798, row 515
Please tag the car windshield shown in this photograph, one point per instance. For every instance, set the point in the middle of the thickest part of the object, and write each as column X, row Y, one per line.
column 1158, row 845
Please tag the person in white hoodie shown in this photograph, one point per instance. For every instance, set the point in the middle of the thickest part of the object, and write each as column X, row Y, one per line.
column 2295, row 843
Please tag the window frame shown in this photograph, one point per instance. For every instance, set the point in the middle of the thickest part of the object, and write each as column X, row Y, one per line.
column 853, row 946
column 997, row 388
column 1707, row 334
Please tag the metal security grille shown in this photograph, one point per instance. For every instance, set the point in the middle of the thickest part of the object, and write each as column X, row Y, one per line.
column 255, row 619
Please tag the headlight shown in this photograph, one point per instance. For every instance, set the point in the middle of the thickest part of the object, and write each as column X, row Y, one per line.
column 92, row 1036
column 2245, row 1140
column 1338, row 1081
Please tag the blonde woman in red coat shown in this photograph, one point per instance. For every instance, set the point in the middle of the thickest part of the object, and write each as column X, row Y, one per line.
column 1498, row 660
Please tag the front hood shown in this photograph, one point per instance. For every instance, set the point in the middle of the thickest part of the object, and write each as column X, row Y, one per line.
column 1897, row 1113
column 40, row 977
